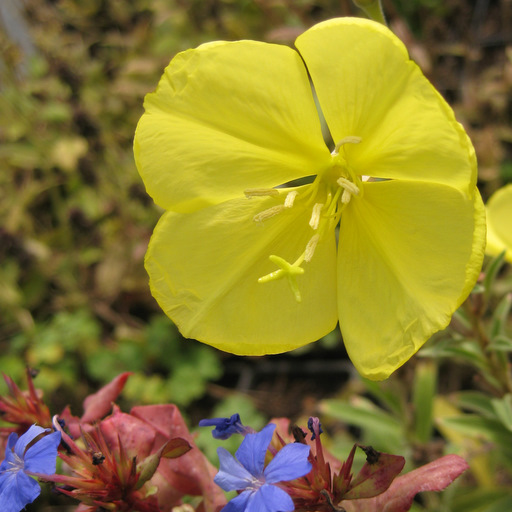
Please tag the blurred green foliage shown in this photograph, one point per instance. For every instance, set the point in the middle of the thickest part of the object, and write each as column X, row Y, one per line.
column 68, row 352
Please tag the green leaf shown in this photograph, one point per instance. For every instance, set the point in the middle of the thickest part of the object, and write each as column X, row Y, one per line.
column 503, row 409
column 491, row 272
column 500, row 343
column 483, row 500
column 425, row 384
column 477, row 402
column 486, row 429
column 388, row 394
column 467, row 350
column 500, row 316
column 385, row 432
column 461, row 317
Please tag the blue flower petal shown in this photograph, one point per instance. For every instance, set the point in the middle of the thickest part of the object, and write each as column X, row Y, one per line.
column 11, row 441
column 232, row 476
column 289, row 463
column 224, row 427
column 26, row 438
column 6, row 479
column 41, row 457
column 270, row 498
column 253, row 449
column 9, row 455
column 239, row 503
column 17, row 490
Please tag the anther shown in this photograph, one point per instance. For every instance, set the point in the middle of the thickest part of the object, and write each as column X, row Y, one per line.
column 310, row 248
column 349, row 189
column 267, row 214
column 290, row 198
column 261, row 192
column 315, row 216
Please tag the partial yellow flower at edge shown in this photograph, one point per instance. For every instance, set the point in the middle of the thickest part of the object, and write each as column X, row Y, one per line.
column 499, row 223
column 249, row 264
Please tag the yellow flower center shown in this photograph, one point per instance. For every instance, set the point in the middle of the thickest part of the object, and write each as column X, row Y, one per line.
column 326, row 197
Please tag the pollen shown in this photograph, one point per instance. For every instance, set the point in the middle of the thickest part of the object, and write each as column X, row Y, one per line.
column 310, row 247
column 349, row 189
column 261, row 192
column 315, row 216
column 290, row 199
column 268, row 213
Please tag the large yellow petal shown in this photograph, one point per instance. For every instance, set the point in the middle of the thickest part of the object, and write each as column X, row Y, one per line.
column 228, row 117
column 367, row 87
column 204, row 268
column 409, row 254
column 499, row 223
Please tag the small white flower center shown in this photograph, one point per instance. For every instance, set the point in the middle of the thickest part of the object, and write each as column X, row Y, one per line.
column 17, row 465
column 256, row 483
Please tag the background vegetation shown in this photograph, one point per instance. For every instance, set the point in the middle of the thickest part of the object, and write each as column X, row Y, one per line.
column 75, row 222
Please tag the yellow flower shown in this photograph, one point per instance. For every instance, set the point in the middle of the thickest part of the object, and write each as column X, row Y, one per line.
column 270, row 236
column 499, row 223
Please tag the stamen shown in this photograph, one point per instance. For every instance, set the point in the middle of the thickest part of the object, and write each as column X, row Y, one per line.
column 325, row 215
column 315, row 216
column 310, row 248
column 349, row 189
column 351, row 139
column 348, row 185
column 290, row 198
column 261, row 192
column 16, row 465
column 267, row 214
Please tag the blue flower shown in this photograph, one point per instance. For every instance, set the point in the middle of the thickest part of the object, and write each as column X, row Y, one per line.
column 247, row 473
column 226, row 427
column 24, row 456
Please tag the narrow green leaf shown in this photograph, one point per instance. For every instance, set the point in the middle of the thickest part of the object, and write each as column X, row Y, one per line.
column 486, row 429
column 385, row 432
column 387, row 394
column 467, row 350
column 425, row 384
column 491, row 272
column 501, row 344
column 503, row 409
column 500, row 316
column 482, row 500
column 475, row 401
column 461, row 317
